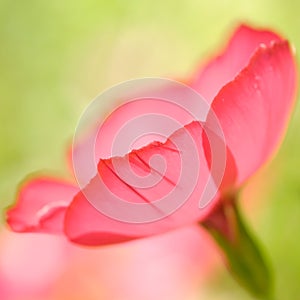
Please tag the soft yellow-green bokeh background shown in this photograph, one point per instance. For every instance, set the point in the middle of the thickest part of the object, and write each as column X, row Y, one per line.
column 56, row 56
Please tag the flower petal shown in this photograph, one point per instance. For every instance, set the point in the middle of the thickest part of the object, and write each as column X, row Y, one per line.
column 254, row 108
column 145, row 110
column 41, row 205
column 85, row 224
column 222, row 69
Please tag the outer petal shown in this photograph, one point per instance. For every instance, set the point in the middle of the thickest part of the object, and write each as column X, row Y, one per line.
column 41, row 205
column 255, row 107
column 222, row 69
column 86, row 225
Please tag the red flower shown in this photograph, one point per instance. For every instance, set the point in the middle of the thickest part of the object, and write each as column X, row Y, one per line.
column 250, row 88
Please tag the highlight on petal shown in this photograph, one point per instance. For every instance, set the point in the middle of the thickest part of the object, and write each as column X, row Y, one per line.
column 41, row 205
column 85, row 224
column 222, row 69
column 255, row 107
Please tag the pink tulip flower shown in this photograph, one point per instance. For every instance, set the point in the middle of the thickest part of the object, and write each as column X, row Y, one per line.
column 251, row 89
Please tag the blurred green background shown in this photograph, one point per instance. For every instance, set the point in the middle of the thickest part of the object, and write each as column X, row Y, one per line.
column 56, row 56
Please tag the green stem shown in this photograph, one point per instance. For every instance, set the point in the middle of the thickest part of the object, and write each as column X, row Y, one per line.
column 242, row 254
